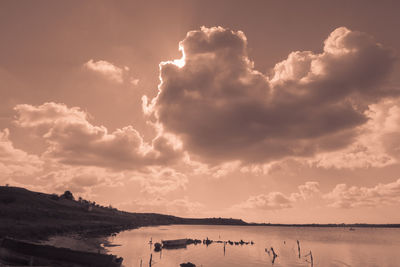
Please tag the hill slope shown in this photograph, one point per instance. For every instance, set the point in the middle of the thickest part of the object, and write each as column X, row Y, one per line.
column 30, row 215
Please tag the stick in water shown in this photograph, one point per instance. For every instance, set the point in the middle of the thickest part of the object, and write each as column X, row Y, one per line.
column 311, row 258
column 298, row 247
column 274, row 255
column 151, row 258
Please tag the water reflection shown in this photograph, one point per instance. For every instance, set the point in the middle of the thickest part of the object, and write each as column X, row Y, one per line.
column 277, row 246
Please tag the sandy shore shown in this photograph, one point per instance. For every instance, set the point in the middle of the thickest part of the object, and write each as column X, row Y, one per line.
column 78, row 242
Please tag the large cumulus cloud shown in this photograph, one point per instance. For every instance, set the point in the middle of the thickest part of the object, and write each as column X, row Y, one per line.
column 225, row 110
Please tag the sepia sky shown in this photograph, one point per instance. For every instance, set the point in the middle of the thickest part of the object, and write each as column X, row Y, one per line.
column 269, row 111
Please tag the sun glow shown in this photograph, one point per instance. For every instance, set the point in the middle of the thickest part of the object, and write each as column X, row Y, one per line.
column 182, row 61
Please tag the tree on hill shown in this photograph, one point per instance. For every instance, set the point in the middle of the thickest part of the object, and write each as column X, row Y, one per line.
column 68, row 195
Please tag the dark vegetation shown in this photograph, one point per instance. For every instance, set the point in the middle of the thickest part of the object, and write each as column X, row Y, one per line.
column 33, row 215
column 214, row 221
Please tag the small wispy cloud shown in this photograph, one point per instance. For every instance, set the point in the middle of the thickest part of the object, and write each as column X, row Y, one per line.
column 107, row 69
column 134, row 81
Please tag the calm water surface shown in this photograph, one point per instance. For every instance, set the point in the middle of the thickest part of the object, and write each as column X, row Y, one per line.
column 329, row 246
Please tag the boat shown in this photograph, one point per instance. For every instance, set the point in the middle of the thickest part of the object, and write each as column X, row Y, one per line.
column 174, row 243
column 14, row 251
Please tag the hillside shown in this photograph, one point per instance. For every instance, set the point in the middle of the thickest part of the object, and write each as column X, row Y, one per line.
column 28, row 214
column 33, row 215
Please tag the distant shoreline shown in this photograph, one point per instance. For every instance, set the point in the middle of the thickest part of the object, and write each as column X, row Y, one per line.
column 215, row 221
column 354, row 225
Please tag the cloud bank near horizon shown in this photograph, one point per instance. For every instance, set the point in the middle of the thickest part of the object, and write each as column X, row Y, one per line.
column 278, row 200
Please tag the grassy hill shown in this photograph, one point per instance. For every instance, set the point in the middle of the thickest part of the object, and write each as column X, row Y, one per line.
column 27, row 214
column 33, row 215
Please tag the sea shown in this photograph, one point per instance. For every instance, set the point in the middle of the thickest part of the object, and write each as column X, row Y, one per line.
column 329, row 246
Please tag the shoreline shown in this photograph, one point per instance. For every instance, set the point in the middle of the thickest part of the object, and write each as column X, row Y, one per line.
column 77, row 242
column 90, row 242
column 95, row 241
column 98, row 240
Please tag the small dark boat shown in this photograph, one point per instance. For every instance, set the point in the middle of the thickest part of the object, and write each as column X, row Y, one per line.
column 174, row 243
column 23, row 253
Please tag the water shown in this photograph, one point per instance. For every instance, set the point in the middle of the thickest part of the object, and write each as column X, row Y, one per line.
column 329, row 246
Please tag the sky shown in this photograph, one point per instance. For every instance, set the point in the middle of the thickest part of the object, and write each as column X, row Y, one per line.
column 269, row 111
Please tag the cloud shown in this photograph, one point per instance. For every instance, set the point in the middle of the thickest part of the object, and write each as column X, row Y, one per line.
column 180, row 207
column 218, row 171
column 106, row 69
column 224, row 110
column 64, row 176
column 16, row 162
column 278, row 200
column 306, row 191
column 270, row 201
column 73, row 140
column 80, row 156
column 82, row 180
column 134, row 81
column 154, row 181
column 343, row 196
column 378, row 142
column 161, row 180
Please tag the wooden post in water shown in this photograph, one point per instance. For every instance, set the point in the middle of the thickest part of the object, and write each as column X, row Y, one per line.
column 274, row 255
column 224, row 247
column 140, row 262
column 311, row 258
column 151, row 259
column 298, row 247
column 273, row 252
